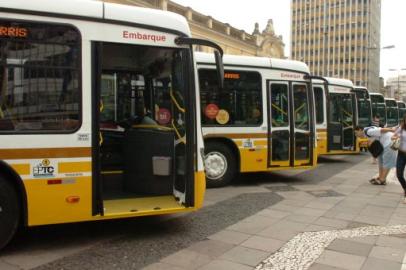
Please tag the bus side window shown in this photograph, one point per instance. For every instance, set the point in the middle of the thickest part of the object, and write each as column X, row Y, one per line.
column 41, row 78
column 238, row 104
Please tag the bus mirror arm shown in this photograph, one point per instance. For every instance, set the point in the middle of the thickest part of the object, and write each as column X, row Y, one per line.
column 218, row 54
column 313, row 77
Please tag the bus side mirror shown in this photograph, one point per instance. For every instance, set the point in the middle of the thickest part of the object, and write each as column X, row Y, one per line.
column 219, row 68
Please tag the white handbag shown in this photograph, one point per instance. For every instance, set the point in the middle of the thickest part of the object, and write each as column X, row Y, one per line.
column 395, row 144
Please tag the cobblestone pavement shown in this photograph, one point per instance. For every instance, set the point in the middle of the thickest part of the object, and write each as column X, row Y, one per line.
column 327, row 218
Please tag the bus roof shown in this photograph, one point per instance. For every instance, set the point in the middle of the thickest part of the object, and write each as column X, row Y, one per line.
column 254, row 61
column 376, row 94
column 97, row 10
column 391, row 99
column 360, row 88
column 335, row 81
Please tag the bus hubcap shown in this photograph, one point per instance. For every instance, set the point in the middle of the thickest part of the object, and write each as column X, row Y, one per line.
column 216, row 165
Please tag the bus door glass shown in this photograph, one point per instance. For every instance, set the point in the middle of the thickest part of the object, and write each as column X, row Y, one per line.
column 290, row 135
column 279, row 120
column 341, row 122
column 302, row 129
column 348, row 117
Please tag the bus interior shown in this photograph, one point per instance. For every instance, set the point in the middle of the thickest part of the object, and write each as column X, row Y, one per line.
column 142, row 124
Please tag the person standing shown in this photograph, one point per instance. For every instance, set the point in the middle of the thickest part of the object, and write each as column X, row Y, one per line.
column 401, row 159
column 387, row 159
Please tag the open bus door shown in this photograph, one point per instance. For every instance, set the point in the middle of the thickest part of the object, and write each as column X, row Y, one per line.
column 341, row 121
column 290, row 130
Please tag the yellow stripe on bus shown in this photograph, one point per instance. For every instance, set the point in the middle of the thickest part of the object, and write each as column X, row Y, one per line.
column 70, row 167
column 21, row 169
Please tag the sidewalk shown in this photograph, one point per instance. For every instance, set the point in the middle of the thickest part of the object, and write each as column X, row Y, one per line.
column 340, row 223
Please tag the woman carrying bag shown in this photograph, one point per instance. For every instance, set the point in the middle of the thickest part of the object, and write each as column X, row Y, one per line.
column 380, row 147
column 400, row 134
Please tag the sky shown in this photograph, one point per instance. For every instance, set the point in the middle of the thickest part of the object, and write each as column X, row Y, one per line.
column 243, row 14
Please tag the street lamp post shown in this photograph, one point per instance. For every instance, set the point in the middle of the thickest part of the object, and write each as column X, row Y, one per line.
column 368, row 79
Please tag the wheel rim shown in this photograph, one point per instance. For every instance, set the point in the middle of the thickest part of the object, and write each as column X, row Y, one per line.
column 216, row 165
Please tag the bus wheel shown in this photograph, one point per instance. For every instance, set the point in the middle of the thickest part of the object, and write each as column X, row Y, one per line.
column 220, row 165
column 9, row 212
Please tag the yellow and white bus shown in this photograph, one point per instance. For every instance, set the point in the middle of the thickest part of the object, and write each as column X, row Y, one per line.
column 262, row 120
column 98, row 113
column 336, row 116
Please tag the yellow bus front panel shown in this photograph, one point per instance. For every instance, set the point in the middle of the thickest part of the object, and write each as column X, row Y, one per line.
column 66, row 196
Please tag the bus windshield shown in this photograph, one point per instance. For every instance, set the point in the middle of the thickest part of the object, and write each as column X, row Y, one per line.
column 392, row 113
column 379, row 107
column 364, row 107
column 364, row 112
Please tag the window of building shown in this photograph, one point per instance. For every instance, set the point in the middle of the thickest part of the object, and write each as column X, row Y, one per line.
column 40, row 76
column 238, row 104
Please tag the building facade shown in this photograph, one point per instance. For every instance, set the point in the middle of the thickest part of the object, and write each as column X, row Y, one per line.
column 396, row 87
column 232, row 40
column 338, row 38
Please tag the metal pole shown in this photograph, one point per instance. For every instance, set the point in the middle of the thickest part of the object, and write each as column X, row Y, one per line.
column 397, row 94
column 325, row 40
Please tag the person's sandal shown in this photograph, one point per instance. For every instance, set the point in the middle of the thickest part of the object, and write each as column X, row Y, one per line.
column 376, row 181
column 373, row 180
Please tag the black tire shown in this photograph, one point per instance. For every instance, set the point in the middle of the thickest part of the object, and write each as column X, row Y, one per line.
column 219, row 151
column 9, row 212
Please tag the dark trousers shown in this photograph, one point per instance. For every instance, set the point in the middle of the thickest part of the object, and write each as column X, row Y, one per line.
column 400, row 169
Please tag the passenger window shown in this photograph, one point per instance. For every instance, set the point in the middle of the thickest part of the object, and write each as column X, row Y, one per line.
column 279, row 105
column 238, row 104
column 40, row 78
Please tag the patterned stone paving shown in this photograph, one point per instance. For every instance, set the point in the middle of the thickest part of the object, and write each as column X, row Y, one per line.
column 304, row 249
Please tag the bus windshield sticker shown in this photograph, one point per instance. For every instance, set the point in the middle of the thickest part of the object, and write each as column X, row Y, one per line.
column 222, row 117
column 211, row 111
column 164, row 116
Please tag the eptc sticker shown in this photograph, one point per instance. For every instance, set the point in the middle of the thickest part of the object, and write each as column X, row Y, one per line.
column 44, row 169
